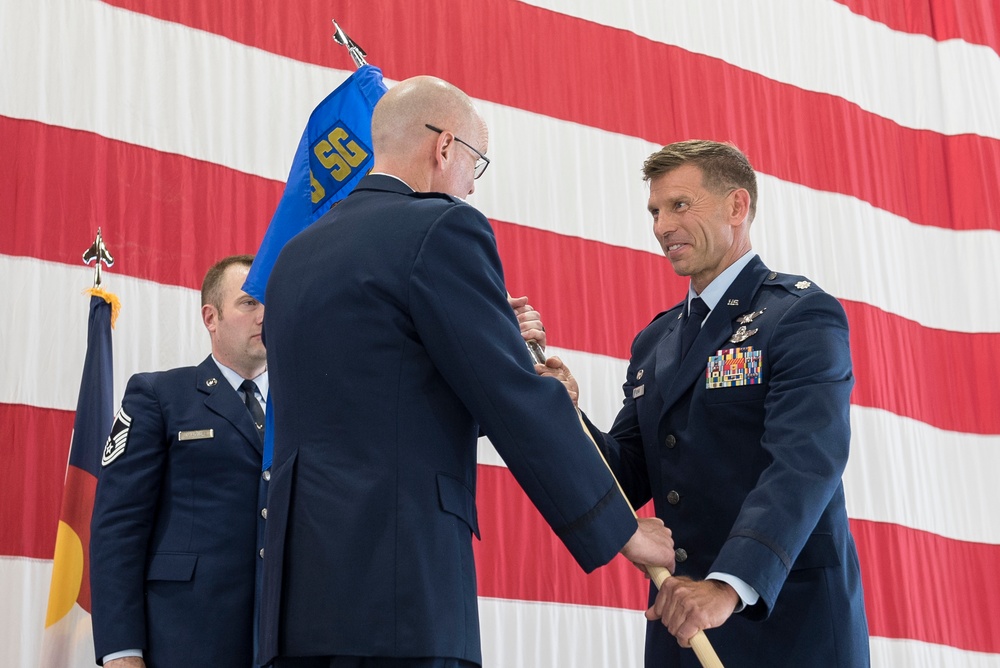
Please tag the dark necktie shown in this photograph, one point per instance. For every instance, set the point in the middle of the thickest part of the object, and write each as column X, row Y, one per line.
column 692, row 324
column 250, row 399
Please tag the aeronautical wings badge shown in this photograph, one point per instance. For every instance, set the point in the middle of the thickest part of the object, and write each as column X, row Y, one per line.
column 742, row 334
column 747, row 318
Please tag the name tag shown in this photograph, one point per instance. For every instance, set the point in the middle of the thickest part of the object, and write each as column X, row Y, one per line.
column 638, row 391
column 195, row 435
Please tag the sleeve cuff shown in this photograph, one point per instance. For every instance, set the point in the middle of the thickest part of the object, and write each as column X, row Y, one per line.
column 746, row 593
column 121, row 655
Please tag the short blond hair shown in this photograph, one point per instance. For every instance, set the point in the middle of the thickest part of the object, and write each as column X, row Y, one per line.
column 211, row 287
column 722, row 164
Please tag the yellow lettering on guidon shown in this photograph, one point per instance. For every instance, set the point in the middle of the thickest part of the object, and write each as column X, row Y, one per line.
column 338, row 153
column 352, row 153
column 318, row 191
column 338, row 157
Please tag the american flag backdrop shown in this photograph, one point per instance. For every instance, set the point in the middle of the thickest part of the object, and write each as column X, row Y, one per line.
column 875, row 130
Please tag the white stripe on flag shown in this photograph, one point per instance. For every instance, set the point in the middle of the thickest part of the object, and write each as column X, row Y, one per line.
column 899, row 653
column 25, row 586
column 559, row 636
column 886, row 72
column 886, row 479
column 596, row 193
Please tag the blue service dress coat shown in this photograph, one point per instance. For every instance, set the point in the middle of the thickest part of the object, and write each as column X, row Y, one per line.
column 741, row 445
column 390, row 342
column 174, row 530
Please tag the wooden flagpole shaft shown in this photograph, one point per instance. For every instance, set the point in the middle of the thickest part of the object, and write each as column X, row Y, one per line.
column 699, row 642
column 658, row 574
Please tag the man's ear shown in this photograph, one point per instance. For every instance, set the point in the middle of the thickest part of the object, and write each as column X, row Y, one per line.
column 209, row 316
column 442, row 148
column 739, row 206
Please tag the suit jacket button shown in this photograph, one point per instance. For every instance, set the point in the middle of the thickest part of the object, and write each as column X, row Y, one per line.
column 261, row 553
column 263, row 513
column 266, row 475
column 673, row 498
column 670, row 441
column 680, row 555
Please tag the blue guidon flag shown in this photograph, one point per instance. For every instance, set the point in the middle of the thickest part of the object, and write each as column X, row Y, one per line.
column 332, row 156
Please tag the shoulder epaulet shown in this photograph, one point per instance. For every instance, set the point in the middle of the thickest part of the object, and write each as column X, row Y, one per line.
column 797, row 285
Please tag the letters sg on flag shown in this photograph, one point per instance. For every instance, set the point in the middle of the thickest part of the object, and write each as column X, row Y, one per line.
column 332, row 156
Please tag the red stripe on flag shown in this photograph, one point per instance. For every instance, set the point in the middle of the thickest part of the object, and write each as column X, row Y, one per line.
column 926, row 177
column 77, row 509
column 544, row 570
column 902, row 586
column 36, row 448
column 594, row 299
column 926, row 587
column 893, row 558
column 974, row 21
column 588, row 306
column 896, row 361
column 166, row 217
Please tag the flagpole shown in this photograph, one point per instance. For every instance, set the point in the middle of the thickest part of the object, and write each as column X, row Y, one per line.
column 699, row 643
column 67, row 636
column 98, row 253
column 357, row 53
column 658, row 574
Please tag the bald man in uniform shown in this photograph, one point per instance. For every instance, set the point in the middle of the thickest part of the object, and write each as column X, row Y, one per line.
column 391, row 346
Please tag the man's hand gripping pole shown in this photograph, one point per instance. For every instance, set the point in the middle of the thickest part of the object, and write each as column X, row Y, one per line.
column 658, row 574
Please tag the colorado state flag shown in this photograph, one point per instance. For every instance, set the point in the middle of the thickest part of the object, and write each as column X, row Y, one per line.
column 333, row 154
column 68, row 639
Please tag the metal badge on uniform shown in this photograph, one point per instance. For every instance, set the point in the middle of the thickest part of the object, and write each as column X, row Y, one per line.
column 747, row 318
column 195, row 435
column 638, row 391
column 118, row 438
column 742, row 334
column 802, row 285
column 638, row 375
column 734, row 367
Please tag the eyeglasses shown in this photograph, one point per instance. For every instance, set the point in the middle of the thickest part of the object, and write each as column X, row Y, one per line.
column 481, row 164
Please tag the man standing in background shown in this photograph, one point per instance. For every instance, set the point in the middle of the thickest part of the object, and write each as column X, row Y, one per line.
column 174, row 531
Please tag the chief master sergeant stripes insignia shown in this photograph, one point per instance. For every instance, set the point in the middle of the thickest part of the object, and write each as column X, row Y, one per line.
column 118, row 438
